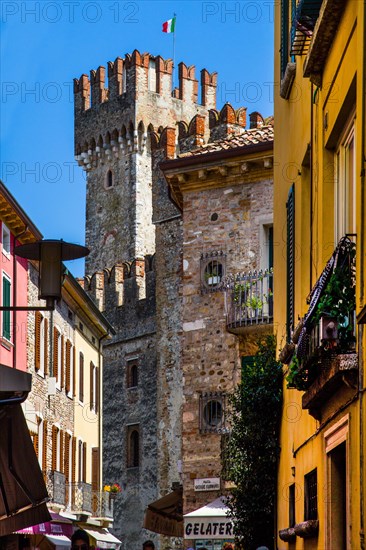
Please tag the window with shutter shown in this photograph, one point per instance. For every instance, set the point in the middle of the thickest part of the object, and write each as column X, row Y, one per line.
column 61, row 451
column 284, row 35
column 6, row 302
column 68, row 366
column 73, row 463
column 81, row 377
column 84, row 462
column 290, row 261
column 66, row 469
column 91, row 396
column 67, row 462
column 80, row 462
column 97, row 389
column 44, row 446
column 62, row 365
column 46, row 345
column 37, row 344
column 55, row 352
column 73, row 370
column 95, row 468
column 54, row 447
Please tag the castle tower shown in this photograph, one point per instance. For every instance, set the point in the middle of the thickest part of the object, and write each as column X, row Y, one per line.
column 113, row 125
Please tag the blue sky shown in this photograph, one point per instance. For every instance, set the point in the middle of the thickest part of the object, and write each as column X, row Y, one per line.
column 45, row 44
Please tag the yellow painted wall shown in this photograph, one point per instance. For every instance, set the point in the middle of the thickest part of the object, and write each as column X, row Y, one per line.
column 87, row 421
column 302, row 437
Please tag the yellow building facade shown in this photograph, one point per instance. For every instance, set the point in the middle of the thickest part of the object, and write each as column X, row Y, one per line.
column 319, row 236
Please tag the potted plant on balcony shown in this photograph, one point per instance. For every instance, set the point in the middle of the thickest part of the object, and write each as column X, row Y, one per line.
column 338, row 302
column 113, row 490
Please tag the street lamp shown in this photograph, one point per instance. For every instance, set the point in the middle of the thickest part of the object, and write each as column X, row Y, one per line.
column 50, row 254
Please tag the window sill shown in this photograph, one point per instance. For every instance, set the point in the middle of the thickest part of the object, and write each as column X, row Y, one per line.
column 40, row 373
column 6, row 254
column 7, row 344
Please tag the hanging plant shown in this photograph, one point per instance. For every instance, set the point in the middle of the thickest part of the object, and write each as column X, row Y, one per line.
column 296, row 377
column 339, row 299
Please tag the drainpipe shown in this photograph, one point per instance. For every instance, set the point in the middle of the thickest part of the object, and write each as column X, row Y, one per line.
column 16, row 237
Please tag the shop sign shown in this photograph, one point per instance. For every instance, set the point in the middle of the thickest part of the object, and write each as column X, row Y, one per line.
column 207, row 484
column 209, row 527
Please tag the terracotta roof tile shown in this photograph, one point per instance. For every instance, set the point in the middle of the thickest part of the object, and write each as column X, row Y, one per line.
column 248, row 137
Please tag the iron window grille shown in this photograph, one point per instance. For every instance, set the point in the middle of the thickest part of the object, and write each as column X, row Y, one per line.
column 311, row 496
column 212, row 271
column 212, row 413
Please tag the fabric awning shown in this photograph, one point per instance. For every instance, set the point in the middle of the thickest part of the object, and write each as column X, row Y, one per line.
column 59, row 541
column 164, row 516
column 23, row 493
column 102, row 538
column 58, row 525
column 210, row 522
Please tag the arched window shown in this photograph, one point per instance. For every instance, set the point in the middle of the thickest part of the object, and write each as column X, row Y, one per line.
column 133, row 450
column 134, row 438
column 132, row 375
column 109, row 179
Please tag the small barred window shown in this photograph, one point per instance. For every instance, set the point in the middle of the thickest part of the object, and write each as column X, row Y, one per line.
column 212, row 413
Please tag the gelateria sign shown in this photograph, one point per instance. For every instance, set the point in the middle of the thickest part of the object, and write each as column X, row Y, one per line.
column 211, row 521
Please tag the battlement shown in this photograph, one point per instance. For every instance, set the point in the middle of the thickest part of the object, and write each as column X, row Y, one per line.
column 201, row 130
column 122, row 284
column 138, row 74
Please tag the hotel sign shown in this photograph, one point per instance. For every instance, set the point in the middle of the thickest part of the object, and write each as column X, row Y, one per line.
column 207, row 484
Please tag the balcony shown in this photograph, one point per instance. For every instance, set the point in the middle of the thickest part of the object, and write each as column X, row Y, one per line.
column 324, row 344
column 81, row 498
column 103, row 504
column 249, row 301
column 303, row 25
column 56, row 487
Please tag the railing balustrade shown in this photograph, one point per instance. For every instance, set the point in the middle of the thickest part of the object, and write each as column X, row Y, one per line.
column 249, row 298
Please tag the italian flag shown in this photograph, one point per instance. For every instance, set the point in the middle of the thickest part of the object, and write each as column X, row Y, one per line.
column 169, row 26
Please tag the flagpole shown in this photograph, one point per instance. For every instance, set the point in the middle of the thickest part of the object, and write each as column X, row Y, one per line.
column 174, row 52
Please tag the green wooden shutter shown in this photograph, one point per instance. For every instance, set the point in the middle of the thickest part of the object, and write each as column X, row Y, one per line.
column 6, row 302
column 284, row 35
column 290, row 314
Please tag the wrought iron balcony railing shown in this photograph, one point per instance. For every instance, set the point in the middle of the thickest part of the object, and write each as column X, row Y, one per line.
column 324, row 343
column 103, row 504
column 56, row 487
column 249, row 299
column 81, row 497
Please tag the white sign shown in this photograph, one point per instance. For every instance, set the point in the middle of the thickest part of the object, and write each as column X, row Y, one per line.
column 208, row 484
column 213, row 528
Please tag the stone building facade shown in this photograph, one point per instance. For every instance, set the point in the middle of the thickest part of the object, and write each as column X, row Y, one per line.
column 152, row 235
column 63, row 411
column 112, row 142
column 224, row 190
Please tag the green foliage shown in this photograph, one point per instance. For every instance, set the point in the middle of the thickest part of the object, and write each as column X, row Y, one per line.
column 339, row 301
column 296, row 377
column 252, row 451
